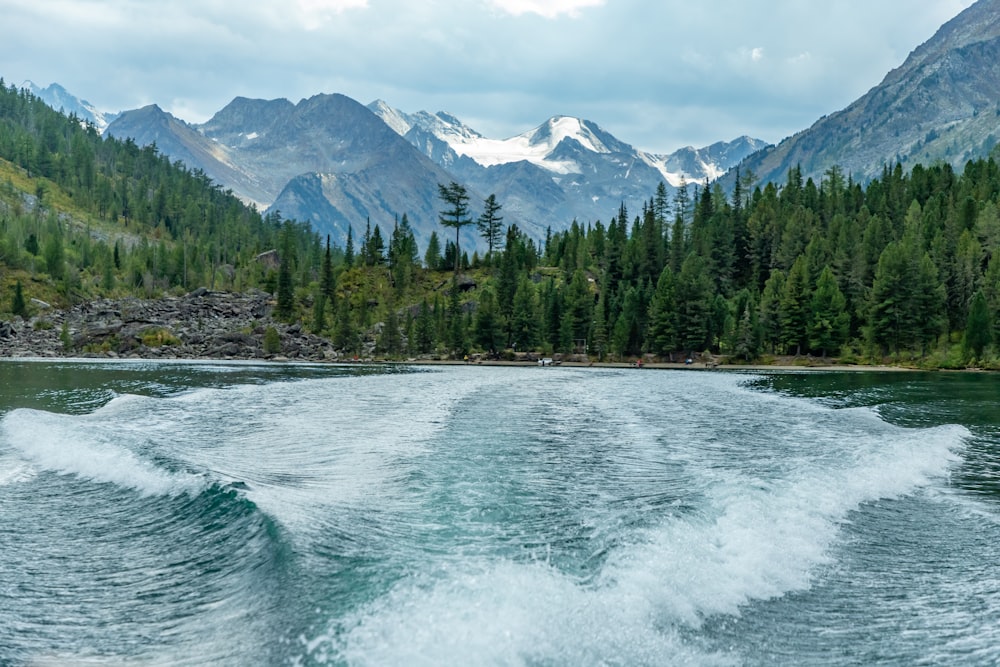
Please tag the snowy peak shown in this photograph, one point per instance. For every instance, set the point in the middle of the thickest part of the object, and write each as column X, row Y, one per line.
column 441, row 124
column 533, row 146
column 690, row 164
column 447, row 127
column 541, row 146
column 394, row 118
column 562, row 145
column 61, row 99
column 560, row 128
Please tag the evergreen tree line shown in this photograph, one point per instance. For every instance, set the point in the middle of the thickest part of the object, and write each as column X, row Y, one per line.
column 904, row 267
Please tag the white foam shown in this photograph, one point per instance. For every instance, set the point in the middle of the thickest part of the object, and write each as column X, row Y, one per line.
column 750, row 539
column 505, row 614
column 760, row 539
column 14, row 472
column 87, row 446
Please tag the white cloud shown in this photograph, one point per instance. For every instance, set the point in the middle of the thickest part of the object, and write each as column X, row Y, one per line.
column 656, row 74
column 550, row 9
column 315, row 13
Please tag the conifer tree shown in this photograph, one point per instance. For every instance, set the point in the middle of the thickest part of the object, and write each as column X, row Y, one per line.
column 678, row 245
column 490, row 225
column 456, row 323
column 487, row 324
column 402, row 254
column 552, row 313
column 978, row 328
column 390, row 343
column 424, row 329
column 507, row 280
column 892, row 323
column 661, row 338
column 286, row 293
column 366, row 244
column 432, row 256
column 599, row 329
column 524, row 318
column 55, row 256
column 928, row 303
column 375, row 250
column 18, row 305
column 319, row 312
column 628, row 327
column 661, row 202
column 578, row 305
column 345, row 336
column 828, row 320
column 991, row 289
column 794, row 307
column 456, row 214
column 327, row 284
column 349, row 248
column 693, row 298
column 748, row 336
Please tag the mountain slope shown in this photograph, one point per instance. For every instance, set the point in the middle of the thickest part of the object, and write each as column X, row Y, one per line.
column 180, row 141
column 329, row 160
column 61, row 99
column 940, row 104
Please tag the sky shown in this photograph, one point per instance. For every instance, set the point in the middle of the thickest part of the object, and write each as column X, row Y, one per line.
column 659, row 75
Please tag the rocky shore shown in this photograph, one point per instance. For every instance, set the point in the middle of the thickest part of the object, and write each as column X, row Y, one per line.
column 200, row 325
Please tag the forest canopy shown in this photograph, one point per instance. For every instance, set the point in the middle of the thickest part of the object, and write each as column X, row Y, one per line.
column 905, row 267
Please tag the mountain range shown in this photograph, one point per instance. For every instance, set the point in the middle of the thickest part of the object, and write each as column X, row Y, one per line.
column 564, row 169
column 338, row 164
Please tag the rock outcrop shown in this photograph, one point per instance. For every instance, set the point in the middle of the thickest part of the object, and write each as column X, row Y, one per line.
column 200, row 325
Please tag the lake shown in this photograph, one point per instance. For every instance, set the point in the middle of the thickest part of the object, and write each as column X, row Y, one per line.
column 248, row 514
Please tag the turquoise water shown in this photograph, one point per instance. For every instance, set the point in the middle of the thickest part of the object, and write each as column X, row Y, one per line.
column 240, row 514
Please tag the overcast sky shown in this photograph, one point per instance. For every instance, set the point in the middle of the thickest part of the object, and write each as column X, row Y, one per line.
column 658, row 74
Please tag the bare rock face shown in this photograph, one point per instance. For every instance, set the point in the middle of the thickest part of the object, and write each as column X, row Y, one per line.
column 201, row 325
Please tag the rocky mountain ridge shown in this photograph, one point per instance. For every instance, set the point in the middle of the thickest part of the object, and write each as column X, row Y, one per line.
column 59, row 98
column 941, row 104
column 332, row 162
column 565, row 169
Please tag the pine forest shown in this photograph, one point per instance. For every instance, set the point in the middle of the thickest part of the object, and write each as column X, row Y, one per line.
column 903, row 269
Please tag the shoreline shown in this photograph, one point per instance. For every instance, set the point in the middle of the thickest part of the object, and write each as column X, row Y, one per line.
column 278, row 359
column 224, row 326
column 697, row 366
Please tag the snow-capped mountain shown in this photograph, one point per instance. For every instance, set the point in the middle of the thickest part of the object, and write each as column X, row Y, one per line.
column 710, row 162
column 540, row 145
column 333, row 162
column 566, row 168
column 59, row 98
column 441, row 124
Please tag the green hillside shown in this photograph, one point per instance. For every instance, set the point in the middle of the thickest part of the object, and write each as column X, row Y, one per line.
column 905, row 269
column 83, row 216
